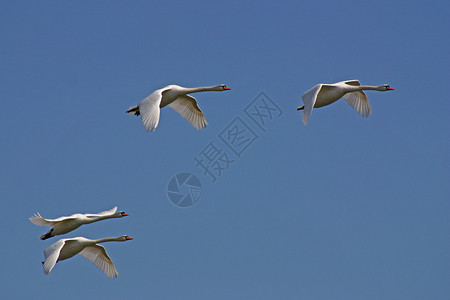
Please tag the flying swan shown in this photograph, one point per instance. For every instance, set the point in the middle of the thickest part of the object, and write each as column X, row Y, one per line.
column 64, row 225
column 66, row 248
column 351, row 90
column 177, row 98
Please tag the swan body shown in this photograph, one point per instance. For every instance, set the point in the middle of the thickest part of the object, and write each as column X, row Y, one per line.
column 64, row 225
column 351, row 90
column 177, row 98
column 89, row 249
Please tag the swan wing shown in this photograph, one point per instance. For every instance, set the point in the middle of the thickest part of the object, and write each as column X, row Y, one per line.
column 309, row 99
column 108, row 212
column 358, row 100
column 187, row 107
column 51, row 255
column 98, row 256
column 149, row 109
column 103, row 213
column 352, row 82
column 37, row 219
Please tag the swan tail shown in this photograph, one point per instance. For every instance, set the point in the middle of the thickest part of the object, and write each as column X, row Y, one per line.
column 134, row 110
column 46, row 236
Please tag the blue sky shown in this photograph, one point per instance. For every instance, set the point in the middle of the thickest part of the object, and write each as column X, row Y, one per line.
column 343, row 208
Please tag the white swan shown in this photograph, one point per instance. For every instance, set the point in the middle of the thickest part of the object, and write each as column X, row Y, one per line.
column 66, row 224
column 176, row 97
column 351, row 90
column 66, row 248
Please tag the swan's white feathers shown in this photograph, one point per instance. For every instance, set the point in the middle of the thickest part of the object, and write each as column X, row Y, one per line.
column 309, row 99
column 351, row 82
column 103, row 213
column 90, row 249
column 98, row 256
column 51, row 255
column 149, row 109
column 350, row 90
column 187, row 107
column 358, row 100
column 176, row 97
column 37, row 219
column 108, row 212
column 64, row 225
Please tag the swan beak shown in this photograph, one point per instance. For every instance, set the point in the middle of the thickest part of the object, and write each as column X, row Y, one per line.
column 128, row 238
column 226, row 88
column 124, row 214
column 389, row 88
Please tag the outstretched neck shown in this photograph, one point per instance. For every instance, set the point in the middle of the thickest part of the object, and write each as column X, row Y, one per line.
column 355, row 88
column 99, row 218
column 201, row 89
column 367, row 87
column 108, row 239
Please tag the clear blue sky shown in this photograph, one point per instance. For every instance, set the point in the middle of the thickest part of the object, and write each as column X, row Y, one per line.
column 344, row 208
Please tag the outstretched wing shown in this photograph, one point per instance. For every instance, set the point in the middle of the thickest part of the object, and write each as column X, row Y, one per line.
column 149, row 109
column 309, row 99
column 352, row 82
column 103, row 213
column 51, row 255
column 98, row 256
column 37, row 219
column 358, row 100
column 187, row 107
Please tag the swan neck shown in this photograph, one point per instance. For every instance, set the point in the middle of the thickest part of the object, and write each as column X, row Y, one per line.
column 200, row 89
column 108, row 239
column 99, row 218
column 367, row 87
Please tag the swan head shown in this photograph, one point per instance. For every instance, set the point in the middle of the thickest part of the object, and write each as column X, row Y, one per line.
column 125, row 238
column 119, row 214
column 222, row 87
column 385, row 87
